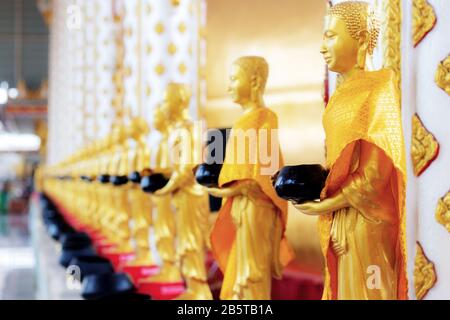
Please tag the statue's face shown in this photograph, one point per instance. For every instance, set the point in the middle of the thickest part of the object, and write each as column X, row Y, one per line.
column 118, row 134
column 339, row 49
column 138, row 127
column 240, row 85
column 158, row 119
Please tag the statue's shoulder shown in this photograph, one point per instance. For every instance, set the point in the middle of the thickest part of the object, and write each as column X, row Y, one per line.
column 381, row 77
column 267, row 112
column 269, row 115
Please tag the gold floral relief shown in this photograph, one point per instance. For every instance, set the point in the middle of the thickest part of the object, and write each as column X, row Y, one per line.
column 443, row 211
column 424, row 20
column 424, row 273
column 182, row 27
column 392, row 37
column 424, row 148
column 160, row 69
column 442, row 77
column 182, row 68
column 172, row 48
column 159, row 28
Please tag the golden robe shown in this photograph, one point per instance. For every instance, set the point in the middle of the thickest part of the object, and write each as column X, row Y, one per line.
column 248, row 238
column 165, row 218
column 366, row 157
column 140, row 207
column 192, row 205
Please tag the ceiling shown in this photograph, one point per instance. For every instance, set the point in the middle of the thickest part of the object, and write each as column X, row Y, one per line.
column 23, row 43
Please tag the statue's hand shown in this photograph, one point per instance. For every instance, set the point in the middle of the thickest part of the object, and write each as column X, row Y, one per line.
column 313, row 208
column 233, row 189
column 160, row 192
column 326, row 206
column 274, row 177
column 216, row 192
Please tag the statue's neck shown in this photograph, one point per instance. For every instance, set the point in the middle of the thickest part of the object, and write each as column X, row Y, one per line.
column 164, row 133
column 351, row 73
column 253, row 105
column 182, row 117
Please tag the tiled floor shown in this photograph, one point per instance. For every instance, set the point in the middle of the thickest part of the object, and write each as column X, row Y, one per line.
column 16, row 259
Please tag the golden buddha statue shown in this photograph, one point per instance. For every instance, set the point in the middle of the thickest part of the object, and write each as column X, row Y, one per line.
column 96, row 185
column 362, row 207
column 164, row 224
column 140, row 202
column 119, row 211
column 248, row 237
column 103, row 213
column 190, row 200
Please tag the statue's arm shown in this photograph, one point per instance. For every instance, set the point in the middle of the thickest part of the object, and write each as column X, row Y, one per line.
column 233, row 189
column 368, row 188
column 172, row 185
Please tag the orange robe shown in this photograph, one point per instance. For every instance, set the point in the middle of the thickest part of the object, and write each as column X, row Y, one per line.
column 248, row 239
column 366, row 157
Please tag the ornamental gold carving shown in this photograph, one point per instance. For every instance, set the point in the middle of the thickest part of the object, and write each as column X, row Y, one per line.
column 392, row 37
column 442, row 77
column 424, row 20
column 424, row 148
column 424, row 273
column 443, row 211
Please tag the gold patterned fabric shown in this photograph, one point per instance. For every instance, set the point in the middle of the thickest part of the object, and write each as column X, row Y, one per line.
column 192, row 206
column 362, row 123
column 364, row 235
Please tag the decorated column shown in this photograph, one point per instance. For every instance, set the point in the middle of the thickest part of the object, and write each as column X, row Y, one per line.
column 426, row 72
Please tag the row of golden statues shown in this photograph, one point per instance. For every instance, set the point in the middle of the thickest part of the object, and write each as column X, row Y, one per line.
column 361, row 205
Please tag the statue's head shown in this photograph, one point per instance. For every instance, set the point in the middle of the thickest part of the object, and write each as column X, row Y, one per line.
column 138, row 127
column 159, row 119
column 118, row 133
column 248, row 78
column 176, row 100
column 350, row 33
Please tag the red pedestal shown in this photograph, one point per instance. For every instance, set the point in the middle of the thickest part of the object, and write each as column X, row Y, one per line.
column 298, row 283
column 140, row 272
column 160, row 290
column 103, row 247
column 93, row 233
column 118, row 259
column 97, row 237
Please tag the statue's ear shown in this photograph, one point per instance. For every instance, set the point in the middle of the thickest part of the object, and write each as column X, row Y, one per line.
column 256, row 82
column 363, row 39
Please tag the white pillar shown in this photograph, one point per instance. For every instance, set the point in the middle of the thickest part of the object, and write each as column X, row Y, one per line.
column 431, row 104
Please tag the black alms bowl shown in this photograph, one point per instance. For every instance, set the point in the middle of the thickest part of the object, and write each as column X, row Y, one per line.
column 300, row 183
column 98, row 286
column 127, row 296
column 208, row 174
column 86, row 178
column 153, row 182
column 103, row 178
column 119, row 180
column 135, row 177
column 89, row 265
